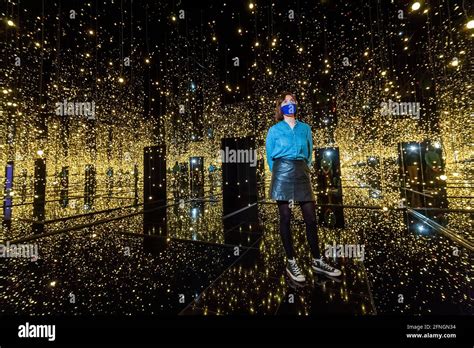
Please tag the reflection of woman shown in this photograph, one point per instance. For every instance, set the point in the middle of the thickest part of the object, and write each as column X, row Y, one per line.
column 23, row 185
column 433, row 166
column 412, row 162
column 329, row 186
column 211, row 171
column 289, row 146
column 326, row 168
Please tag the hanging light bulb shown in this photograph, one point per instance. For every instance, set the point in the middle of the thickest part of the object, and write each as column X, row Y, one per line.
column 415, row 6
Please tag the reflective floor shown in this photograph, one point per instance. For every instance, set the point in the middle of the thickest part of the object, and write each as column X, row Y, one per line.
column 117, row 263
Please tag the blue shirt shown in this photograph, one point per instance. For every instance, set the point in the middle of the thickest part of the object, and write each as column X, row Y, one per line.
column 284, row 142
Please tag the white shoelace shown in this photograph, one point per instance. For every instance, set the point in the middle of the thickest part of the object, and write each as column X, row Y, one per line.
column 324, row 265
column 294, row 268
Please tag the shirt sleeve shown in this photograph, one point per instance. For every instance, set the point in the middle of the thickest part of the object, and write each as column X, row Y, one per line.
column 269, row 144
column 310, row 142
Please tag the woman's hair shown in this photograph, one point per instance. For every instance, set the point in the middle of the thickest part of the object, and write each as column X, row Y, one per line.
column 281, row 97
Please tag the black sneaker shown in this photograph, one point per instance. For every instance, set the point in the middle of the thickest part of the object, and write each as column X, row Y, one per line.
column 320, row 266
column 294, row 271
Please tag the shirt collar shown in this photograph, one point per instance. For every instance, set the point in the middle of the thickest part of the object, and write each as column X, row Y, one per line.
column 296, row 122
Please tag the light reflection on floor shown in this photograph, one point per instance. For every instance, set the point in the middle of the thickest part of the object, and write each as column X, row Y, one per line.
column 195, row 270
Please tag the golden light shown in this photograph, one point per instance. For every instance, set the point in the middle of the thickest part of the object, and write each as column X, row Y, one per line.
column 470, row 24
column 443, row 177
column 40, row 152
column 415, row 6
column 121, row 80
column 454, row 62
column 91, row 32
column 251, row 6
column 10, row 23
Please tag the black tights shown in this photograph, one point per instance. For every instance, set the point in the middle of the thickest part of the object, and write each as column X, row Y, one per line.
column 309, row 214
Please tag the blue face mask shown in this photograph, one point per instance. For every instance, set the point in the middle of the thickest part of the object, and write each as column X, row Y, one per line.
column 288, row 108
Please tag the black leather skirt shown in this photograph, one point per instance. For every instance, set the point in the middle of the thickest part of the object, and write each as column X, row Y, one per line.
column 291, row 181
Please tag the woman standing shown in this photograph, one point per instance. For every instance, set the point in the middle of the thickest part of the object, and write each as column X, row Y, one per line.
column 289, row 147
